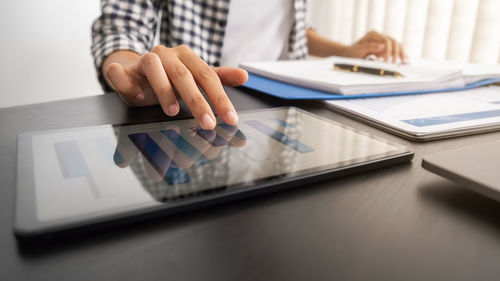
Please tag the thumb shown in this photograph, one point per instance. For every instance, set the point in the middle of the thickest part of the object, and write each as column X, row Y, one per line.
column 231, row 76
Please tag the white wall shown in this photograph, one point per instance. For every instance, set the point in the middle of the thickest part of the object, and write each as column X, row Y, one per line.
column 45, row 50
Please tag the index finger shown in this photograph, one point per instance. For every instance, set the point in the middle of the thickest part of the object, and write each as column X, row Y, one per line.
column 151, row 66
column 211, row 84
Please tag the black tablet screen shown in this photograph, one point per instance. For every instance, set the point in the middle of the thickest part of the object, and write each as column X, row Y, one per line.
column 88, row 172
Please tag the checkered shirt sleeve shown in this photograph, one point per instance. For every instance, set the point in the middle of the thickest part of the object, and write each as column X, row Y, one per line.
column 131, row 25
column 123, row 25
column 298, row 37
column 198, row 24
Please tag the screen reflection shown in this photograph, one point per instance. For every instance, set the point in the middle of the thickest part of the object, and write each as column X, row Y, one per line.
column 181, row 162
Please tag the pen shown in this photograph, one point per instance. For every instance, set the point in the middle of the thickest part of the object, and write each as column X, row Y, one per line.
column 364, row 69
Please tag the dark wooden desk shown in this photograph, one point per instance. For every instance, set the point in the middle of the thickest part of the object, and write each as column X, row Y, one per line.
column 397, row 223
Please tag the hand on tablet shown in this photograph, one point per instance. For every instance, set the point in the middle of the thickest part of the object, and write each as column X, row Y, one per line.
column 157, row 77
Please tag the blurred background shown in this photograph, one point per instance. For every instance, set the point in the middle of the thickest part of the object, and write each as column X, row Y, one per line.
column 458, row 30
column 45, row 49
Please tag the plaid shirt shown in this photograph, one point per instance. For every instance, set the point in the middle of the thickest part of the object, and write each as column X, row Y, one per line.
column 199, row 24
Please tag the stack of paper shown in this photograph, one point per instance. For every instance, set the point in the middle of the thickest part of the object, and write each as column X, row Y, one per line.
column 320, row 75
column 316, row 79
column 429, row 117
column 471, row 72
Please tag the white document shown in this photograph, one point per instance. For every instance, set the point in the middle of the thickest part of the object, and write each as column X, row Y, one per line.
column 320, row 75
column 471, row 72
column 430, row 116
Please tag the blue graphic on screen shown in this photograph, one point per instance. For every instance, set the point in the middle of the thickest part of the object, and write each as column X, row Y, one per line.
column 233, row 130
column 160, row 161
column 438, row 120
column 211, row 137
column 282, row 123
column 182, row 144
column 73, row 164
column 279, row 136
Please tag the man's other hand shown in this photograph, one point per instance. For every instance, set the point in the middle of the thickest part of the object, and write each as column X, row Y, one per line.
column 378, row 44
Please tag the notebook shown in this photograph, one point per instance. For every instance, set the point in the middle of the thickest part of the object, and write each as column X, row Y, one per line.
column 317, row 79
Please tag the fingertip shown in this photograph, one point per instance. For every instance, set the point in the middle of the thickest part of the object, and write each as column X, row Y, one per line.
column 139, row 96
column 170, row 110
column 232, row 76
column 123, row 84
column 207, row 122
column 112, row 72
column 231, row 118
column 173, row 109
column 113, row 68
column 238, row 77
column 244, row 76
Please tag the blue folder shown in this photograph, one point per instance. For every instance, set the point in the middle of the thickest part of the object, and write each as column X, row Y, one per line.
column 293, row 92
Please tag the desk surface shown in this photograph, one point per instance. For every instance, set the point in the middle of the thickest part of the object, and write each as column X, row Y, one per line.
column 396, row 223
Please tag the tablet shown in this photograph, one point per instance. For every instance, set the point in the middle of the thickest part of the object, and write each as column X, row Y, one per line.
column 72, row 179
column 474, row 167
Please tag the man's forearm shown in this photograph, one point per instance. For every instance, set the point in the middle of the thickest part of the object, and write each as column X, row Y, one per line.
column 323, row 47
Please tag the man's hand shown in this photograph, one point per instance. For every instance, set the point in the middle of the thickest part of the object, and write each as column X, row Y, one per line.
column 379, row 45
column 373, row 42
column 157, row 77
